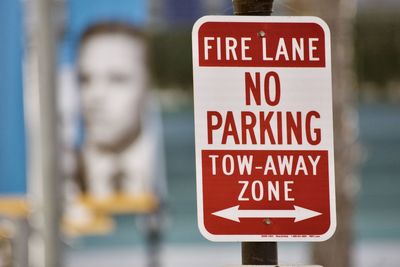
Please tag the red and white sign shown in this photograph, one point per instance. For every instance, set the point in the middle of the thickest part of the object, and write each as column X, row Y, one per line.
column 264, row 128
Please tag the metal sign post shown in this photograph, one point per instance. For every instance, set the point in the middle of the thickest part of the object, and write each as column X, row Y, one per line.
column 264, row 130
column 256, row 253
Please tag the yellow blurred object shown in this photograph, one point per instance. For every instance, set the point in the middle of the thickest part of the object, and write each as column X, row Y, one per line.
column 5, row 233
column 97, row 225
column 121, row 203
column 93, row 216
column 14, row 207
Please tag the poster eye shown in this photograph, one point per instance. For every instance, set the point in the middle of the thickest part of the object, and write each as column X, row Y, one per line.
column 83, row 79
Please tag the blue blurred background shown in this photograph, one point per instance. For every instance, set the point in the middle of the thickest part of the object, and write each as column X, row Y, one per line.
column 12, row 132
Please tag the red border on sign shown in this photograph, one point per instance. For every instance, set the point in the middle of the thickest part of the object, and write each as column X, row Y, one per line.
column 272, row 31
column 309, row 191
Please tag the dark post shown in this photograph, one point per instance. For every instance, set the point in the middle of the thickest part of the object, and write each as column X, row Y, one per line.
column 256, row 253
column 259, row 253
column 252, row 7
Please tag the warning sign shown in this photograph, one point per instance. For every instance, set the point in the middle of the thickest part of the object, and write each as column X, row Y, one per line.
column 264, row 134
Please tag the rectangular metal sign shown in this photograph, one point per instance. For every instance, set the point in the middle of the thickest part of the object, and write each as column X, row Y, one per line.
column 263, row 128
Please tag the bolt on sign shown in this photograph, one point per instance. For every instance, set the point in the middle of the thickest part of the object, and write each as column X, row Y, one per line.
column 264, row 128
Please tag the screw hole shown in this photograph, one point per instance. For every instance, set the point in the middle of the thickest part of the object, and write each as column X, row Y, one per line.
column 267, row 221
column 261, row 34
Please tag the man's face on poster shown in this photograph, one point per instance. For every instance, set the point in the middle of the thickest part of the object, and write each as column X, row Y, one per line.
column 113, row 78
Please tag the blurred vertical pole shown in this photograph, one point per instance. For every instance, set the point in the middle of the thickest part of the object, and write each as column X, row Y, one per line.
column 339, row 14
column 256, row 253
column 20, row 246
column 46, row 199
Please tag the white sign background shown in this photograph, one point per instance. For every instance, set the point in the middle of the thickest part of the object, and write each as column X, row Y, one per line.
column 302, row 89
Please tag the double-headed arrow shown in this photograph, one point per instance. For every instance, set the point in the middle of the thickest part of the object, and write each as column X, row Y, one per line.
column 298, row 213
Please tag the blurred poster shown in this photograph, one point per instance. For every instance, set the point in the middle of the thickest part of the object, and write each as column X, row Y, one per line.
column 111, row 123
column 12, row 129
